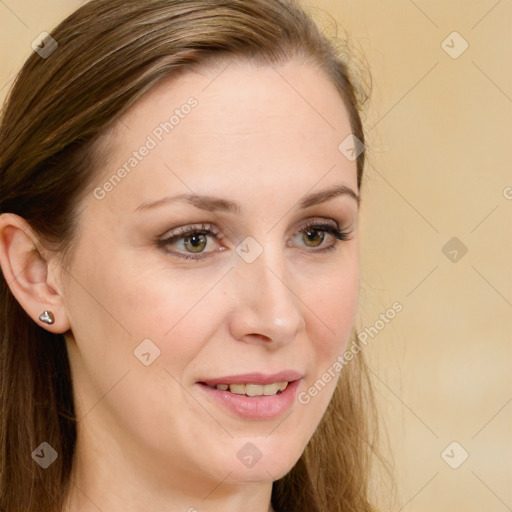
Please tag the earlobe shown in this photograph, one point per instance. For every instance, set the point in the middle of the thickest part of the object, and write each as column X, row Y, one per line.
column 26, row 273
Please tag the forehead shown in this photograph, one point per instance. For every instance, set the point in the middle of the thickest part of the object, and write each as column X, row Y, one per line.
column 233, row 121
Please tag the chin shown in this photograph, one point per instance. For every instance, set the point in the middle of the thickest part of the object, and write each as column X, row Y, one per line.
column 261, row 459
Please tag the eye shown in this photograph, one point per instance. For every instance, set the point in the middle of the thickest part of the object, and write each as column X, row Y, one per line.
column 191, row 240
column 315, row 233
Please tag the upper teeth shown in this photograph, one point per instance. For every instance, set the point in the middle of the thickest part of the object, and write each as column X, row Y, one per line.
column 254, row 389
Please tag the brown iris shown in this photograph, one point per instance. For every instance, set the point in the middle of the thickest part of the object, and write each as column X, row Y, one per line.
column 312, row 235
column 195, row 243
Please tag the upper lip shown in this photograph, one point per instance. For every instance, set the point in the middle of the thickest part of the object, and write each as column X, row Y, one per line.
column 254, row 378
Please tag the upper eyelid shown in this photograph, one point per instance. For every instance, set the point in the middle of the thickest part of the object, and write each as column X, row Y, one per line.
column 318, row 221
column 194, row 228
column 191, row 228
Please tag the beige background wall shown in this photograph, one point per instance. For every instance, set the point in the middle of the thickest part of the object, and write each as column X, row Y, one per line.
column 439, row 149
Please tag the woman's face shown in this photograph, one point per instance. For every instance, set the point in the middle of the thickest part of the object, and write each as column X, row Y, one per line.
column 255, row 296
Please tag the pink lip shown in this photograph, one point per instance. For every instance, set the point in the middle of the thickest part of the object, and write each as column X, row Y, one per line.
column 255, row 378
column 254, row 407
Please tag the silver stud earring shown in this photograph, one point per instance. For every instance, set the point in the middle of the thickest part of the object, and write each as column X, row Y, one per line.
column 47, row 317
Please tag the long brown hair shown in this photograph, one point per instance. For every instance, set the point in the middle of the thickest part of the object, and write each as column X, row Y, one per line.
column 110, row 52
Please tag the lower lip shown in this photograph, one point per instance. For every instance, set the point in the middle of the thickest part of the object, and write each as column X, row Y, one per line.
column 255, row 407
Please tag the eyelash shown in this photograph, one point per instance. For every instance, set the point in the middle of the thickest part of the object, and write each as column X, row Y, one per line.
column 339, row 236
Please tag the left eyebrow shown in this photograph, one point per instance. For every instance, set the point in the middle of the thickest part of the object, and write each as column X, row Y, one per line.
column 212, row 203
column 330, row 193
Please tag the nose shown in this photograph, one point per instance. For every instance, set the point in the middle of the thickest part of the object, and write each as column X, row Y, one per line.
column 267, row 305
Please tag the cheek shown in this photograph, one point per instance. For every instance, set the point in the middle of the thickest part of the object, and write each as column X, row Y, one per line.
column 333, row 306
column 177, row 313
column 113, row 308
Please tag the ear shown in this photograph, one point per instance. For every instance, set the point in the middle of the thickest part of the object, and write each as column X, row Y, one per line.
column 26, row 272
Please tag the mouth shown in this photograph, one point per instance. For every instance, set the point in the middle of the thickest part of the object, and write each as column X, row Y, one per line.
column 253, row 396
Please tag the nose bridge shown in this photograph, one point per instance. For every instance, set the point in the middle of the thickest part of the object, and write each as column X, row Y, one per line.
column 266, row 302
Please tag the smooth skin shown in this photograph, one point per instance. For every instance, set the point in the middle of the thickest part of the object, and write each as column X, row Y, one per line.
column 149, row 438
